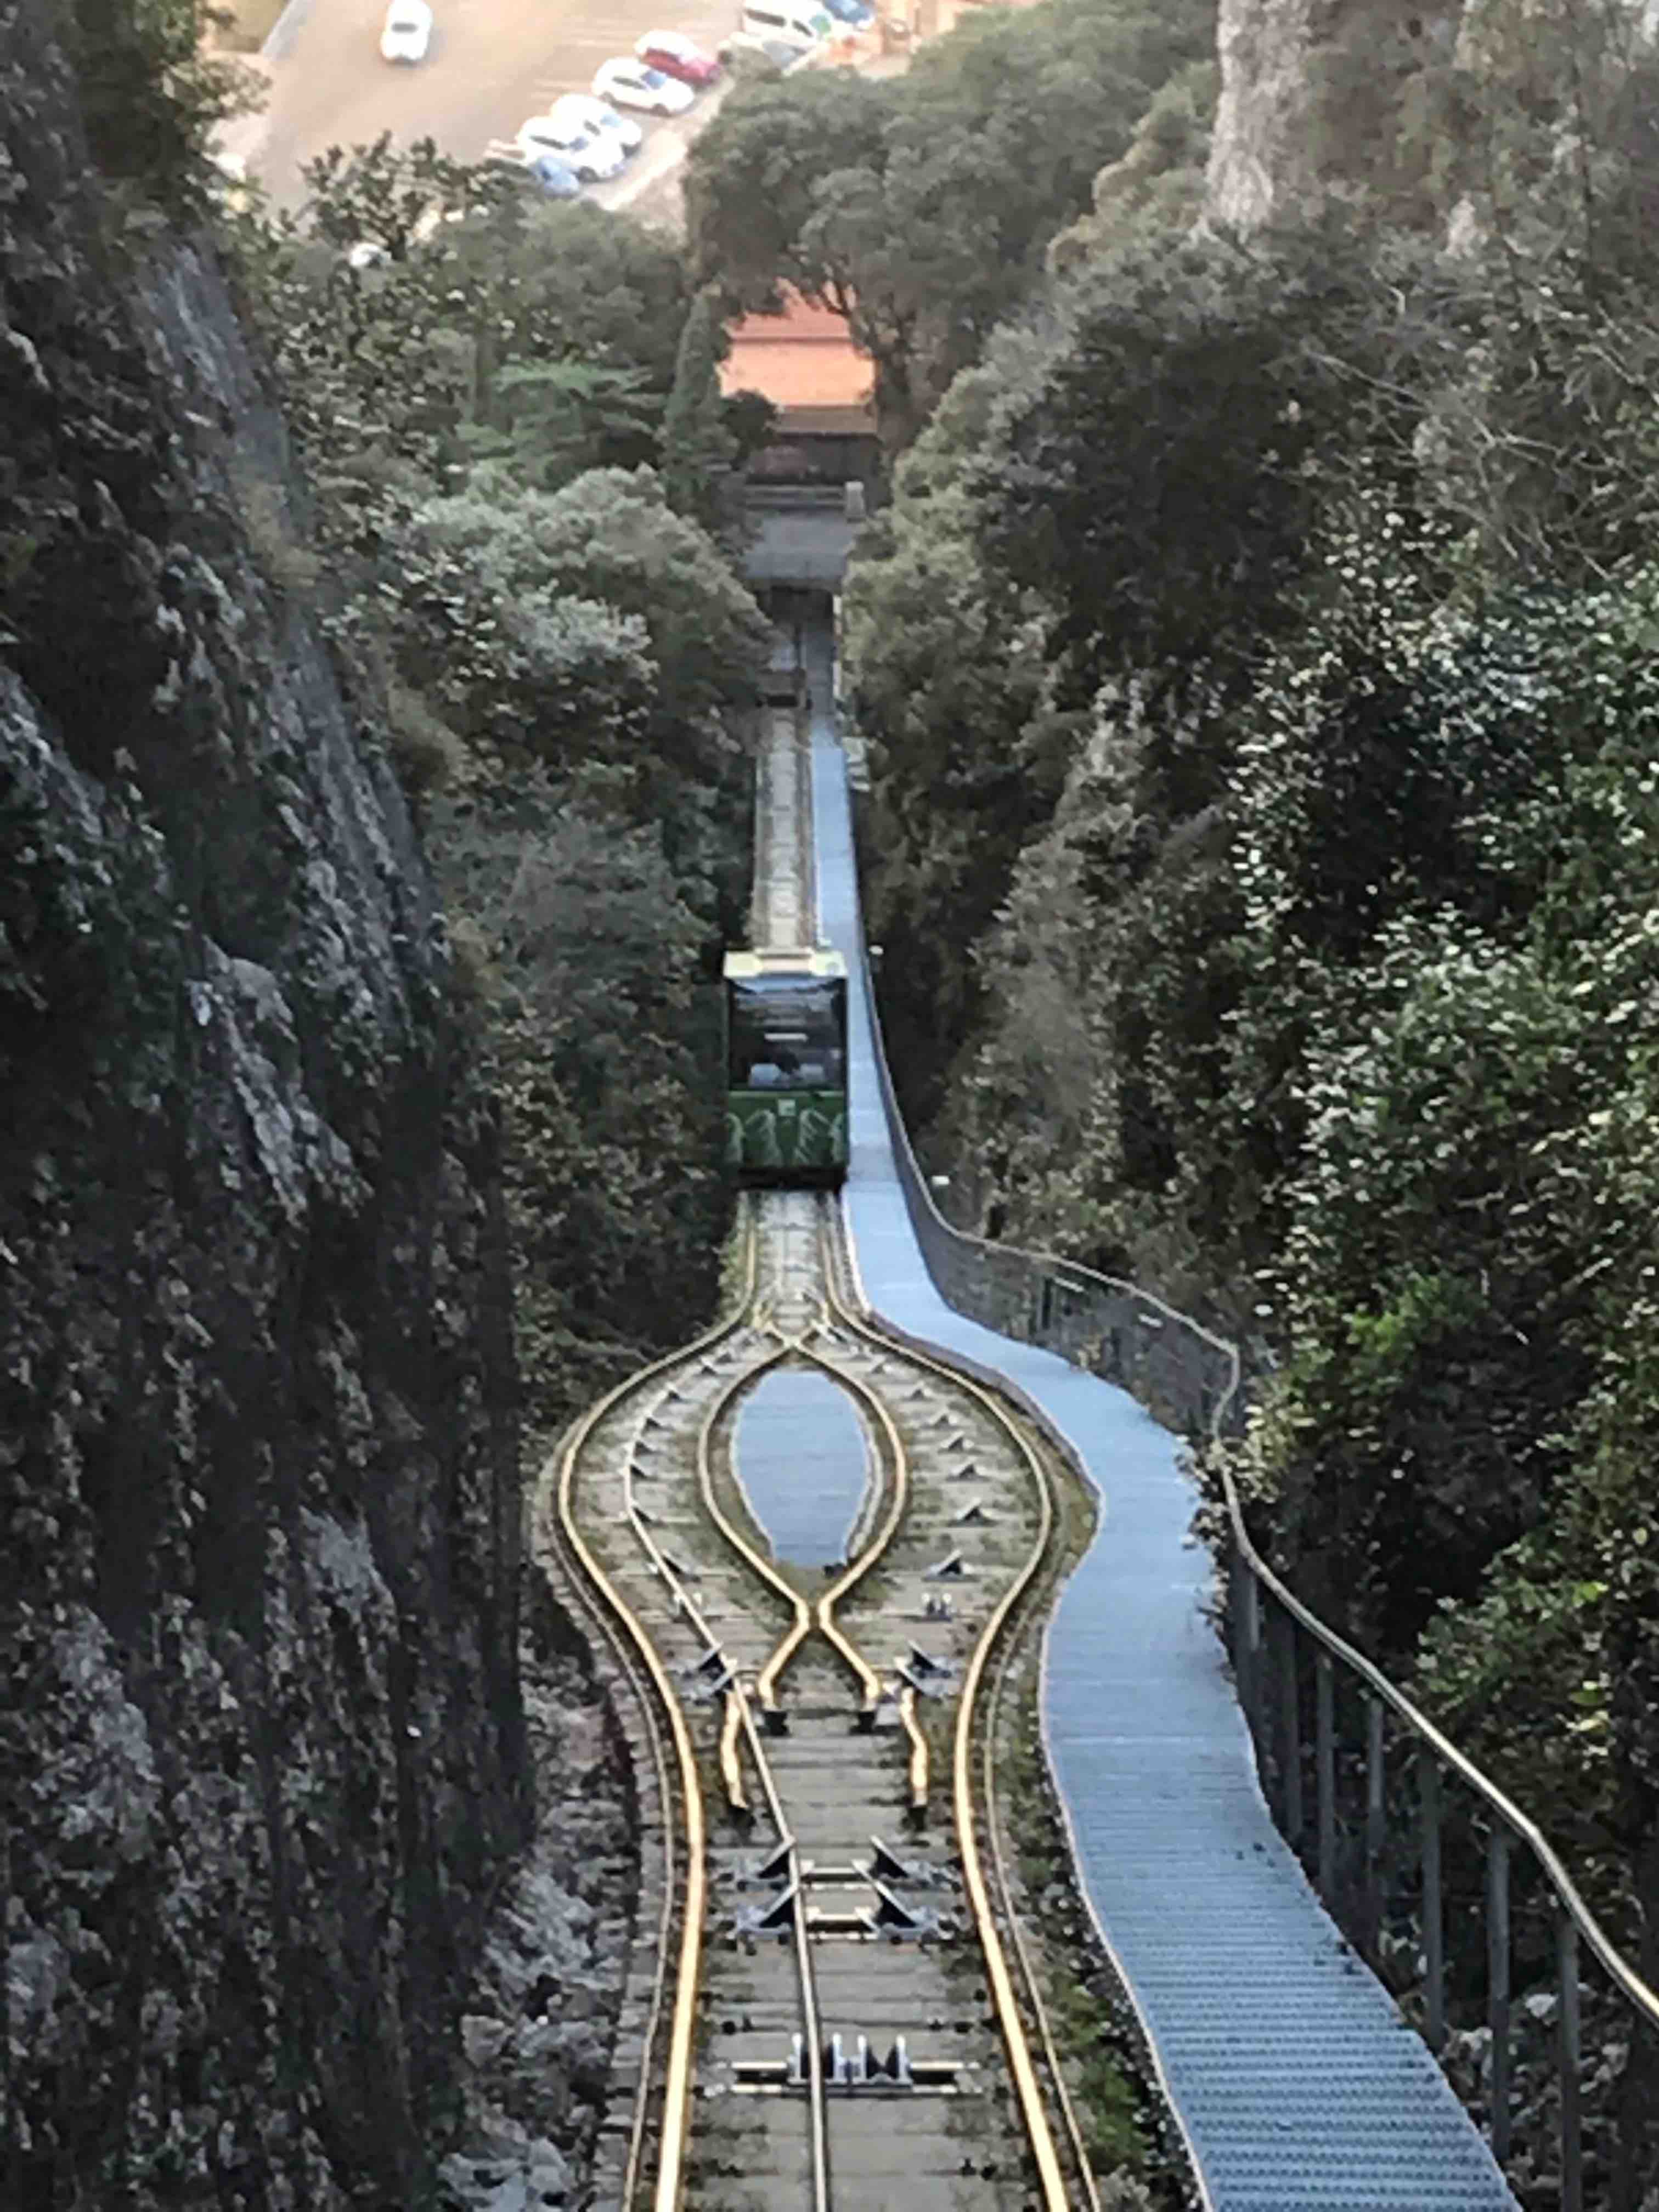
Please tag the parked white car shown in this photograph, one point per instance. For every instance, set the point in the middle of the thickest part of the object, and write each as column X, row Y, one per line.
column 590, row 155
column 629, row 83
column 407, row 33
column 597, row 120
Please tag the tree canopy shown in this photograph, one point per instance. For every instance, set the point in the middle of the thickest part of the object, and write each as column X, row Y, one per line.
column 1256, row 659
column 483, row 386
column 920, row 208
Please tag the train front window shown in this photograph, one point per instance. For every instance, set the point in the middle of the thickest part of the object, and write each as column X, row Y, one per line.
column 788, row 1034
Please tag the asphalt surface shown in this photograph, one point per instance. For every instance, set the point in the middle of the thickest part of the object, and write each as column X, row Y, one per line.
column 491, row 65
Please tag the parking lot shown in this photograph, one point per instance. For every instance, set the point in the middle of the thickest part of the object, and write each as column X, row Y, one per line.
column 492, row 64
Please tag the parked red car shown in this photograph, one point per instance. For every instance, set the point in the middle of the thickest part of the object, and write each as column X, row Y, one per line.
column 675, row 55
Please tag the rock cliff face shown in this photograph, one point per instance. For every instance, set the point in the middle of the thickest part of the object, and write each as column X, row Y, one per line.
column 1414, row 107
column 1259, row 152
column 260, row 1736
column 1314, row 93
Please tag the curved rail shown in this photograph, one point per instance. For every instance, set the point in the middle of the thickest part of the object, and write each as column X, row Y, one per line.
column 822, row 1615
column 737, row 1797
column 737, row 1719
column 871, row 1554
column 1005, row 1882
column 1027, row 2088
column 645, row 1693
column 678, row 2080
column 1011, row 2017
column 767, row 1681
column 811, row 2031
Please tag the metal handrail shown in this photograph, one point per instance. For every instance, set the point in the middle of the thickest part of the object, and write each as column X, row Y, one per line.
column 1526, row 1831
column 1205, row 1407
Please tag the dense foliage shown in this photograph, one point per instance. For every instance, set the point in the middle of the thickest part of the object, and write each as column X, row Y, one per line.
column 484, row 387
column 920, row 208
column 1258, row 660
column 151, row 92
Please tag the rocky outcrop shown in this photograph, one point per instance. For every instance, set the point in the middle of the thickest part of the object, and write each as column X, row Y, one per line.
column 260, row 1737
column 1260, row 154
column 1419, row 111
column 1318, row 95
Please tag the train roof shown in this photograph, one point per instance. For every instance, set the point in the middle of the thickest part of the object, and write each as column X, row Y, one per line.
column 809, row 963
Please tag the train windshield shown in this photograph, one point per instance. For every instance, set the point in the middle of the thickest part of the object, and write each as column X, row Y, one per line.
column 787, row 1034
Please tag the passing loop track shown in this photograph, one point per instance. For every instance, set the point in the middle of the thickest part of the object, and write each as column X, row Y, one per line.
column 714, row 1635
column 976, row 1716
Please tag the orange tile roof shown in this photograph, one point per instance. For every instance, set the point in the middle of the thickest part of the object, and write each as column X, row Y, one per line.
column 802, row 358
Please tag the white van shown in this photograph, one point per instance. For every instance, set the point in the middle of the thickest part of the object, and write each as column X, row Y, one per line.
column 792, row 22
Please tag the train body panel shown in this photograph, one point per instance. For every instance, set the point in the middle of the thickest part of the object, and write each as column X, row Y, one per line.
column 786, row 1096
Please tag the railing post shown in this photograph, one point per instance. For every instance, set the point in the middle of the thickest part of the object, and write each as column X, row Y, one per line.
column 1290, row 1731
column 1434, row 1957
column 1376, row 1789
column 1325, row 1724
column 1572, row 2147
column 1249, row 1627
column 1497, row 1983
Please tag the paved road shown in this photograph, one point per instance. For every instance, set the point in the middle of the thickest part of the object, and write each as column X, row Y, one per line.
column 492, row 64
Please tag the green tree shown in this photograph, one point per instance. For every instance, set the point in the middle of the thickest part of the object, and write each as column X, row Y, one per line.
column 545, row 421
column 549, row 334
column 698, row 447
column 1159, row 479
column 750, row 177
column 1160, row 181
column 921, row 211
column 606, row 1044
column 949, row 679
column 610, row 536
column 152, row 93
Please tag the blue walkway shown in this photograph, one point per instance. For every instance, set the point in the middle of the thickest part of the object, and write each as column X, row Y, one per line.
column 1298, row 2085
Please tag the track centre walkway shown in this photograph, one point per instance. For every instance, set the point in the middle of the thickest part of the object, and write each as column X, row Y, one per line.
column 1300, row 2088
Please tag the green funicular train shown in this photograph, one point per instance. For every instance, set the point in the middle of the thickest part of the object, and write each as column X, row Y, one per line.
column 786, row 1067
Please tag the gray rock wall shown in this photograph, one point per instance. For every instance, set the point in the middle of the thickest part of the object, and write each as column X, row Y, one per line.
column 1377, row 100
column 260, row 1738
column 1259, row 151
column 1313, row 97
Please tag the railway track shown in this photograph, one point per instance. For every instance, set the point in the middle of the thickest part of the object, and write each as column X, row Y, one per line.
column 832, row 2001
column 842, row 2011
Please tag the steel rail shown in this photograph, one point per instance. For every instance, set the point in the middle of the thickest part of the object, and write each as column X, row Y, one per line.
column 644, row 1690
column 876, row 1548
column 689, row 1608
column 766, row 1681
column 678, row 2075
column 1005, row 1882
column 919, row 1766
column 731, row 1768
column 894, row 1340
column 1027, row 2088
column 1029, row 2091
column 812, row 2022
column 812, row 2037
column 767, row 926
column 821, row 1615
column 869, row 1556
